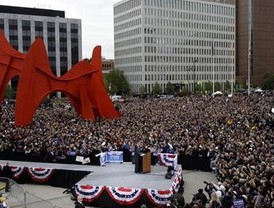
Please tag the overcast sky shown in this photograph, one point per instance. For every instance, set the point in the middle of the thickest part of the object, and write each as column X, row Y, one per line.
column 96, row 16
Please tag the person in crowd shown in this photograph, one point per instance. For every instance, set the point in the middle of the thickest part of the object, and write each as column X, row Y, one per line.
column 177, row 200
column 79, row 202
column 199, row 198
column 8, row 174
column 214, row 201
column 3, row 203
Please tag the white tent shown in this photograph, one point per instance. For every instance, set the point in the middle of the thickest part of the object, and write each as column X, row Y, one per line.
column 258, row 90
column 217, row 93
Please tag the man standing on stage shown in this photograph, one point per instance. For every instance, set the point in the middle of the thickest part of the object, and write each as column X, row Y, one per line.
column 137, row 157
column 8, row 174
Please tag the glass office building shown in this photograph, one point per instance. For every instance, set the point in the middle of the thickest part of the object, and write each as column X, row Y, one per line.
column 184, row 42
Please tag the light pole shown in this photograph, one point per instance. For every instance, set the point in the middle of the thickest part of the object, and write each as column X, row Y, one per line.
column 194, row 75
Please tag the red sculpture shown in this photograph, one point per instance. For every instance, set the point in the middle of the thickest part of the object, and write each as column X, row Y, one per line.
column 82, row 84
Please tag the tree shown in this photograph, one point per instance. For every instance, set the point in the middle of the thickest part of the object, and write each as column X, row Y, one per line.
column 170, row 88
column 208, row 86
column 156, row 89
column 217, row 86
column 268, row 82
column 143, row 89
column 116, row 82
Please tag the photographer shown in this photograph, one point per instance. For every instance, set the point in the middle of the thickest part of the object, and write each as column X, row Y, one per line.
column 209, row 189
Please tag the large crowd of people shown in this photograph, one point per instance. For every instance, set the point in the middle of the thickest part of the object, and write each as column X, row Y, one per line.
column 236, row 133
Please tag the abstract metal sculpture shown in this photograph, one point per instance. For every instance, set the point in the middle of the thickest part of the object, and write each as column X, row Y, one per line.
column 82, row 84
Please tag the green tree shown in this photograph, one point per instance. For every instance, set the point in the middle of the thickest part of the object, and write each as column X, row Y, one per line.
column 10, row 93
column 208, row 87
column 227, row 85
column 157, row 89
column 217, row 86
column 116, row 82
column 143, row 89
column 170, row 88
column 268, row 82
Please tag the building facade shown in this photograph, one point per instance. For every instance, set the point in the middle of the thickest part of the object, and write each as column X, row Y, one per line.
column 161, row 41
column 262, row 41
column 107, row 65
column 62, row 36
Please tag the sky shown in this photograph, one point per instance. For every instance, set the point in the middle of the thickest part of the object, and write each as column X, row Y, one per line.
column 96, row 16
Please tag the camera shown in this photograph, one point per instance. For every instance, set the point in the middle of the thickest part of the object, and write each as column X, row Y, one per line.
column 206, row 183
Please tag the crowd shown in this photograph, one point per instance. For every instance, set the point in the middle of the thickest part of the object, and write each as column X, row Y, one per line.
column 235, row 132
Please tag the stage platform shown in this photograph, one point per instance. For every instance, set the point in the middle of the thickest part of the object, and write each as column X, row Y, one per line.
column 117, row 175
column 117, row 185
column 111, row 185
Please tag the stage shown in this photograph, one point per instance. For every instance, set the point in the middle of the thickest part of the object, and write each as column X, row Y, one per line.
column 111, row 185
column 116, row 185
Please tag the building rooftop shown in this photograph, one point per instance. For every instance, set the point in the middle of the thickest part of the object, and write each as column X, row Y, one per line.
column 31, row 11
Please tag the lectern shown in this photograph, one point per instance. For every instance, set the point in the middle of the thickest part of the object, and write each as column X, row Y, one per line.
column 146, row 162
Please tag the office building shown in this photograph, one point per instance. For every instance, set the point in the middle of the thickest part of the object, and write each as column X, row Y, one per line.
column 187, row 42
column 62, row 36
column 262, row 41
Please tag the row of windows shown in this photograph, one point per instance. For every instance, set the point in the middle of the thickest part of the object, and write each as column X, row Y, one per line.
column 126, row 6
column 186, row 15
column 135, row 77
column 127, row 16
column 185, row 39
column 126, row 25
column 135, row 59
column 187, row 69
column 130, row 42
column 128, row 51
column 187, row 59
column 219, row 41
column 131, row 69
column 183, row 77
column 175, row 24
column 128, row 33
column 192, row 6
column 186, row 50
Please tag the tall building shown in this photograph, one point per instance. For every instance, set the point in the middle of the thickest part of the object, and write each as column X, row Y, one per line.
column 186, row 42
column 262, row 41
column 62, row 36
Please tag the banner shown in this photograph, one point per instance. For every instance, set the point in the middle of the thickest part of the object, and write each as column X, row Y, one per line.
column 115, row 156
column 167, row 159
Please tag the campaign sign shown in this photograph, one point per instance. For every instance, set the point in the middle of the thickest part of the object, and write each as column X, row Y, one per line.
column 115, row 157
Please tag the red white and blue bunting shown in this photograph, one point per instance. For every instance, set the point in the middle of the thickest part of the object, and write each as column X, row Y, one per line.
column 17, row 171
column 159, row 197
column 166, row 159
column 88, row 193
column 124, row 196
column 40, row 174
column 175, row 184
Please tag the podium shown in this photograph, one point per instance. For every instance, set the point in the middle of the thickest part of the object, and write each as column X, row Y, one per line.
column 146, row 162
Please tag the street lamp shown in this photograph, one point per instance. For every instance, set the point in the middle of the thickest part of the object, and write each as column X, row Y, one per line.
column 194, row 75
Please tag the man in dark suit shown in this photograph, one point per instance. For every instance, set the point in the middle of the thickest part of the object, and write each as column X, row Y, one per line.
column 137, row 157
column 7, row 174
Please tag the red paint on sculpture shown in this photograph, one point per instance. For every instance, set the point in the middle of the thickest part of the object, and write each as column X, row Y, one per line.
column 82, row 84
